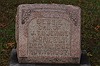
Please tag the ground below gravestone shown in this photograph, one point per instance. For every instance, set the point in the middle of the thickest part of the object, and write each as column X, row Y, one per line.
column 90, row 26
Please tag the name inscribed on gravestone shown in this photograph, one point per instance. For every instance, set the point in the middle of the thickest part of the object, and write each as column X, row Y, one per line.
column 49, row 37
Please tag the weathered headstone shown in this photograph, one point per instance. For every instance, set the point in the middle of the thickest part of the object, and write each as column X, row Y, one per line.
column 48, row 33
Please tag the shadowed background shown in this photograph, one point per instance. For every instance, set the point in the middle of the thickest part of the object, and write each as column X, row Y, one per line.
column 90, row 28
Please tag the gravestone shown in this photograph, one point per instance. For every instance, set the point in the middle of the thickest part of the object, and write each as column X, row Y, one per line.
column 48, row 33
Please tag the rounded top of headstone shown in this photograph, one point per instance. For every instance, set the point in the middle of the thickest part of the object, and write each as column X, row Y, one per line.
column 63, row 6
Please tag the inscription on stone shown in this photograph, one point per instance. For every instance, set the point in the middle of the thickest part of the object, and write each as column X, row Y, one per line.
column 48, row 36
column 48, row 33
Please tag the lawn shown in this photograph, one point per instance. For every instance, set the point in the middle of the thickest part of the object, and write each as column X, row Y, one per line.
column 90, row 30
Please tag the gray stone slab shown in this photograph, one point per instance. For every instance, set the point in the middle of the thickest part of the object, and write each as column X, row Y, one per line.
column 14, row 61
column 48, row 33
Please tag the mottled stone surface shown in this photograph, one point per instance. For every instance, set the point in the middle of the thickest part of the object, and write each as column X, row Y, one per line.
column 48, row 33
column 84, row 61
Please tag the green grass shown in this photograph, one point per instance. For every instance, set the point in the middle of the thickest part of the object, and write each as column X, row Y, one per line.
column 90, row 26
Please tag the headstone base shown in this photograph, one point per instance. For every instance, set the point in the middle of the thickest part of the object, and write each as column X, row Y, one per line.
column 14, row 61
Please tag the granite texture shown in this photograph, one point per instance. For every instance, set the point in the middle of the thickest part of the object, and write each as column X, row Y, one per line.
column 14, row 61
column 48, row 33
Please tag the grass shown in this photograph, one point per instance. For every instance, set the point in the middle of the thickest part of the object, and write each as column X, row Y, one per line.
column 90, row 26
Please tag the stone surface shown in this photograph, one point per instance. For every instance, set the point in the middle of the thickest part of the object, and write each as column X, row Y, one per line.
column 14, row 61
column 48, row 33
